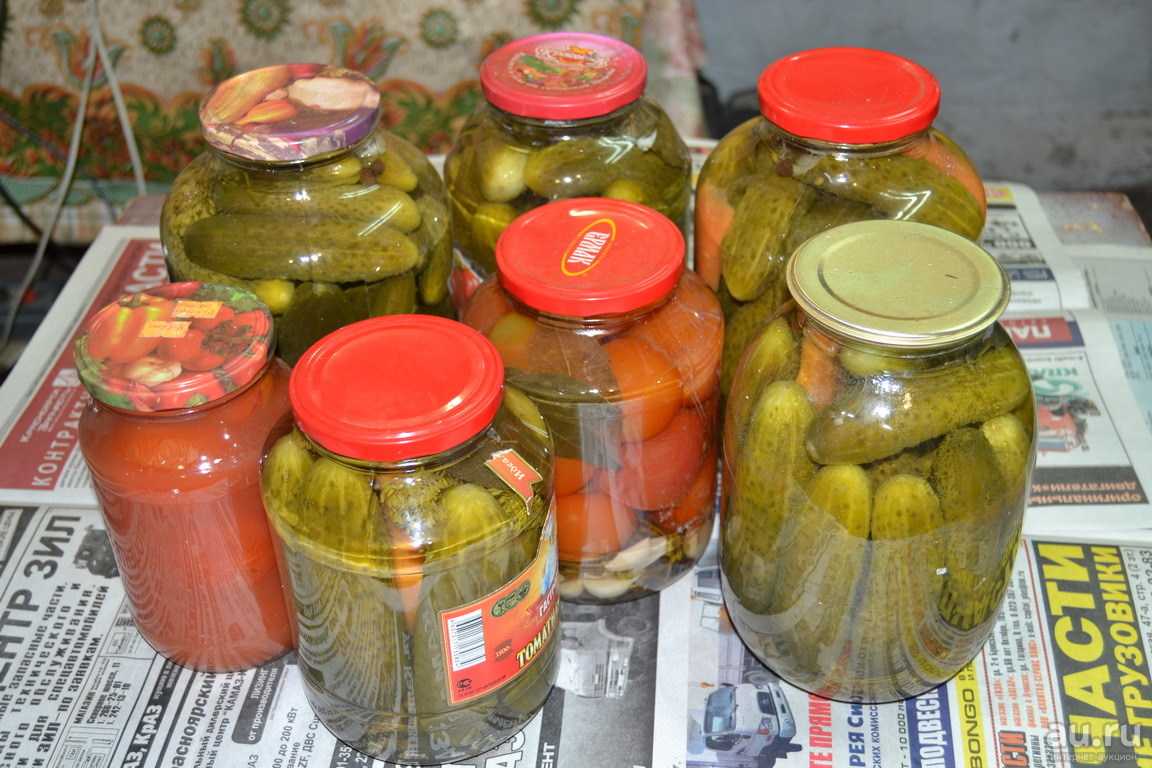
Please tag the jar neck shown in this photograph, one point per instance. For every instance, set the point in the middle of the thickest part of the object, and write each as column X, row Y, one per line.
column 408, row 465
column 317, row 161
column 774, row 133
column 550, row 126
column 959, row 350
column 593, row 325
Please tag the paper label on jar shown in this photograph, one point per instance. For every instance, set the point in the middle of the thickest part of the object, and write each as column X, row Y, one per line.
column 490, row 642
column 516, row 473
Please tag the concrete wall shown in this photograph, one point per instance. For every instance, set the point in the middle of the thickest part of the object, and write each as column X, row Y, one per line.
column 1056, row 94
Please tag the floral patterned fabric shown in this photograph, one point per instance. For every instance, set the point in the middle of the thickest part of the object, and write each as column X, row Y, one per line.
column 168, row 53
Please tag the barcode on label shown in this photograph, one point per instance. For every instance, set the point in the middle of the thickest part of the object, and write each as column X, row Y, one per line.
column 466, row 640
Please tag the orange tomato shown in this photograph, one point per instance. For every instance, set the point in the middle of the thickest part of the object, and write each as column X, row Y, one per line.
column 591, row 525
column 512, row 336
column 690, row 330
column 571, row 475
column 649, row 386
column 485, row 306
column 658, row 471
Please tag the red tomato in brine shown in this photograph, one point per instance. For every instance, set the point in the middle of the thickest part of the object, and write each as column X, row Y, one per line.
column 649, row 386
column 591, row 525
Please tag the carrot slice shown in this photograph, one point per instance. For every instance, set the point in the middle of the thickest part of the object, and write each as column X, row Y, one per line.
column 713, row 219
column 407, row 574
column 949, row 159
column 819, row 372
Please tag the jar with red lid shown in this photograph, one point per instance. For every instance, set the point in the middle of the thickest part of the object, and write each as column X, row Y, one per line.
column 845, row 134
column 184, row 392
column 564, row 116
column 618, row 344
column 412, row 503
column 305, row 198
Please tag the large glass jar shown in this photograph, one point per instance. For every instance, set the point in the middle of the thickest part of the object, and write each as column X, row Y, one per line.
column 412, row 500
column 846, row 135
column 564, row 116
column 306, row 199
column 878, row 444
column 184, row 392
column 618, row 344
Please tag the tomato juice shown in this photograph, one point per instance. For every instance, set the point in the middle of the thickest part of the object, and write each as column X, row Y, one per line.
column 179, row 488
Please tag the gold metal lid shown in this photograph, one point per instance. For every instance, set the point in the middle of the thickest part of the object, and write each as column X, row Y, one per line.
column 898, row 283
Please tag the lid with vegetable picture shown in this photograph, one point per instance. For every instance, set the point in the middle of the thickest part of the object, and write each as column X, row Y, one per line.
column 397, row 387
column 290, row 112
column 848, row 95
column 586, row 257
column 175, row 346
column 563, row 76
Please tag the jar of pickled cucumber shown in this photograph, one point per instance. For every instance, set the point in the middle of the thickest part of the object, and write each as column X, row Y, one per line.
column 618, row 344
column 415, row 525
column 565, row 115
column 304, row 198
column 878, row 445
column 845, row 135
column 184, row 391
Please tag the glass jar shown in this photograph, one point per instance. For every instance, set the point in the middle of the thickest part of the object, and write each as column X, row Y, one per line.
column 618, row 344
column 878, row 445
column 846, row 135
column 184, row 391
column 307, row 200
column 564, row 116
column 415, row 524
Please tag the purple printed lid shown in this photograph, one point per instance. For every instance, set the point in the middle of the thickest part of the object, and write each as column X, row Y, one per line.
column 290, row 112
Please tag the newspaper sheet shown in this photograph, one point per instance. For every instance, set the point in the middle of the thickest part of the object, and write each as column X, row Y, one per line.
column 1064, row 681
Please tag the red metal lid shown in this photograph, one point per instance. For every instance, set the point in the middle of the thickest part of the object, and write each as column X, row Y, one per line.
column 175, row 346
column 590, row 256
column 290, row 112
column 563, row 76
column 848, row 95
column 397, row 387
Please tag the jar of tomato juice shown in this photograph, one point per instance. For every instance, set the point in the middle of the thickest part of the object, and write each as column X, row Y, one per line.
column 184, row 393
column 600, row 323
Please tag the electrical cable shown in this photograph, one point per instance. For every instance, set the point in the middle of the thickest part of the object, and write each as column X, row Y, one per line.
column 97, row 50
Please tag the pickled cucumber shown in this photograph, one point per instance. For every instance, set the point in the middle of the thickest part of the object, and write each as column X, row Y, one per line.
column 574, row 168
column 771, row 357
column 752, row 252
column 339, row 511
column 317, row 309
column 902, row 188
column 501, row 170
column 331, row 250
column 767, row 481
column 742, row 323
column 876, row 417
column 373, row 203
